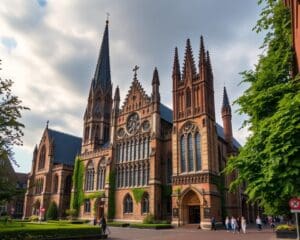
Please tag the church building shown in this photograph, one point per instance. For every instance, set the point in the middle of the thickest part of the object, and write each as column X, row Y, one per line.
column 140, row 157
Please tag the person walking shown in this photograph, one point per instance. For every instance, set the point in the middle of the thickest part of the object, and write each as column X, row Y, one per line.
column 258, row 223
column 238, row 224
column 233, row 224
column 227, row 224
column 243, row 224
column 103, row 225
column 213, row 224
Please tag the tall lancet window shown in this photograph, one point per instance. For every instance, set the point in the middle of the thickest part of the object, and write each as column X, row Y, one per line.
column 198, row 151
column 101, row 176
column 182, row 154
column 190, row 153
column 89, row 177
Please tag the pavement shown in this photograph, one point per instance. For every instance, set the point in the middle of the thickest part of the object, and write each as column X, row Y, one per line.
column 188, row 233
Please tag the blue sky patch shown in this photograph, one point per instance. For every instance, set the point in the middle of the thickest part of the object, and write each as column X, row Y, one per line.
column 42, row 3
column 8, row 42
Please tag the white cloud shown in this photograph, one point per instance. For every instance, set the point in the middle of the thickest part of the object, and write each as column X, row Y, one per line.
column 57, row 45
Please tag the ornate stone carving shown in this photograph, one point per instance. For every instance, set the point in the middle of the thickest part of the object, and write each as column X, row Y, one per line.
column 133, row 123
column 146, row 126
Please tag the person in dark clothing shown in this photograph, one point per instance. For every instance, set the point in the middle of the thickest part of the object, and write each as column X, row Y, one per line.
column 213, row 224
column 238, row 222
column 103, row 225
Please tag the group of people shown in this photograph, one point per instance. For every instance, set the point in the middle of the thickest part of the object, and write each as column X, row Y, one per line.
column 235, row 224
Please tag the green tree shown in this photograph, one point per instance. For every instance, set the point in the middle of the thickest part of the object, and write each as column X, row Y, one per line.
column 52, row 212
column 11, row 129
column 77, row 196
column 269, row 162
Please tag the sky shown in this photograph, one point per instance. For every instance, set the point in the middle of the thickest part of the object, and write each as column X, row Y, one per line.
column 50, row 49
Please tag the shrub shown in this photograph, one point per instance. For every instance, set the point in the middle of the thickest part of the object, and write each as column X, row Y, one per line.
column 286, row 227
column 72, row 213
column 149, row 219
column 52, row 212
column 33, row 218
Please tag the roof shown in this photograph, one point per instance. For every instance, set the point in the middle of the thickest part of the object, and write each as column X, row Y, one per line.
column 66, row 147
column 166, row 113
column 220, row 132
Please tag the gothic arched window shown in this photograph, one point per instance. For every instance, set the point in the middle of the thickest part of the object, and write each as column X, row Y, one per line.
column 86, row 134
column 87, row 205
column 198, row 151
column 127, row 204
column 145, row 203
column 101, row 176
column 190, row 153
column 42, row 157
column 89, row 177
column 182, row 153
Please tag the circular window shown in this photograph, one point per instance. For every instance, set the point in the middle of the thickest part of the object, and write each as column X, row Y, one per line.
column 133, row 123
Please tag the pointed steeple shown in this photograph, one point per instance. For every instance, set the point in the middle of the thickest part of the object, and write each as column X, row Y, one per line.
column 208, row 66
column 225, row 103
column 189, row 64
column 117, row 94
column 155, row 86
column 155, row 79
column 102, row 77
column 176, row 66
column 202, row 59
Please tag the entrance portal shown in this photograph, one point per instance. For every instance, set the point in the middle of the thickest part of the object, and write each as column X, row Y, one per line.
column 194, row 214
column 190, row 208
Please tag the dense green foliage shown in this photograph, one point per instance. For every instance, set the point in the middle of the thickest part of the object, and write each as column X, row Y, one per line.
column 149, row 219
column 24, row 231
column 11, row 132
column 77, row 196
column 138, row 194
column 269, row 161
column 94, row 195
column 52, row 212
column 151, row 226
column 111, row 197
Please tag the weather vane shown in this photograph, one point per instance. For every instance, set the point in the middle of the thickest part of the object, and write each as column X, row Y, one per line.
column 136, row 67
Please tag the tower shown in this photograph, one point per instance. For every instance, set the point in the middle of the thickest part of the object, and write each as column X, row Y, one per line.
column 226, row 117
column 194, row 139
column 97, row 115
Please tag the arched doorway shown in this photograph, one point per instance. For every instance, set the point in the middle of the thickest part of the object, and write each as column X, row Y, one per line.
column 190, row 208
column 36, row 207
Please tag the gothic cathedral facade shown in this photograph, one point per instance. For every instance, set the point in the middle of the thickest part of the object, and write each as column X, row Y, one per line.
column 146, row 158
column 142, row 158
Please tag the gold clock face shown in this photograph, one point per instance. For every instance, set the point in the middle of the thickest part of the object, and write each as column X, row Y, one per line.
column 133, row 123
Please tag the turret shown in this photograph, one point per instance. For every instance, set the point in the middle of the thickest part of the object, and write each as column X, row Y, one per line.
column 226, row 117
column 155, row 87
column 189, row 68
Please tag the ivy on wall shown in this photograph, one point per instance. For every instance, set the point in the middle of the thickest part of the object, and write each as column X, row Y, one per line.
column 166, row 191
column 111, row 195
column 138, row 194
column 77, row 196
column 94, row 195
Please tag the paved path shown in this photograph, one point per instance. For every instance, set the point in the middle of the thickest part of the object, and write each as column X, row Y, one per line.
column 186, row 234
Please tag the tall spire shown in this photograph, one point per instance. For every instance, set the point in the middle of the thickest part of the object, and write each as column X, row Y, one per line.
column 189, row 64
column 176, row 66
column 117, row 94
column 225, row 103
column 102, row 77
column 155, row 86
column 209, row 68
column 202, row 60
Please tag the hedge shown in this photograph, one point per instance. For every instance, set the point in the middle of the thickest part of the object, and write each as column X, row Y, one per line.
column 52, row 232
column 118, row 224
column 151, row 226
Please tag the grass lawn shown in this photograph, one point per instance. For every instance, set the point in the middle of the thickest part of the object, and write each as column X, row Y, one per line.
column 44, row 230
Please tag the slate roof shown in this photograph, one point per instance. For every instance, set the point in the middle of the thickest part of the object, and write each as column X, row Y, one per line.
column 167, row 115
column 66, row 147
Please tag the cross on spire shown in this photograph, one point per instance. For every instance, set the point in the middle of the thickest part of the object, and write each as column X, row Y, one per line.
column 136, row 67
